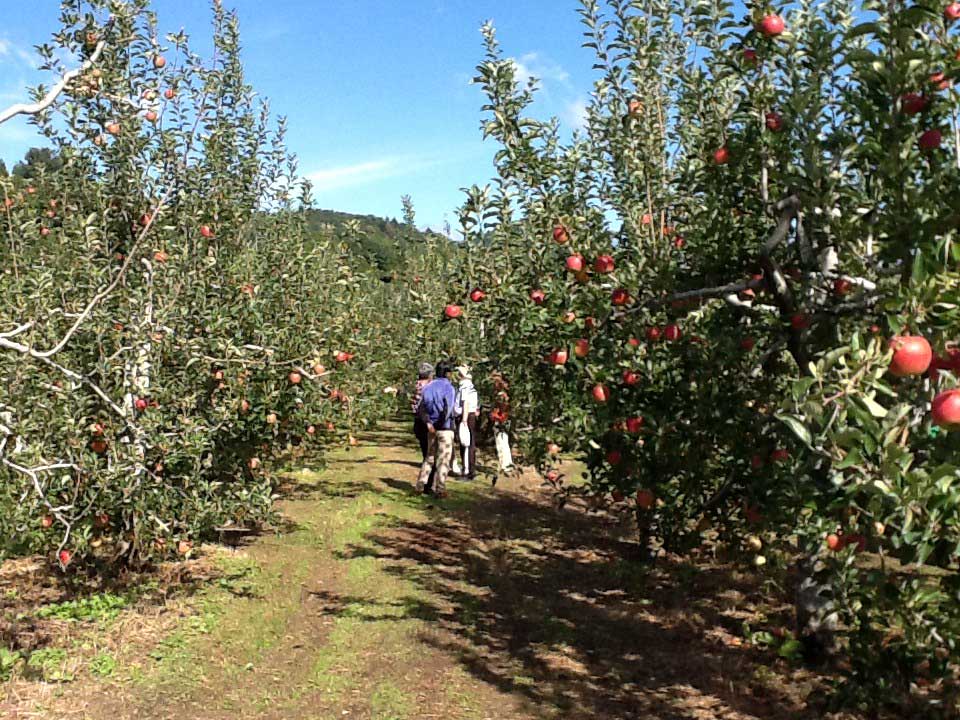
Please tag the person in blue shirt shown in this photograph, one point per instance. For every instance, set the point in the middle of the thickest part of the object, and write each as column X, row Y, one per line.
column 437, row 406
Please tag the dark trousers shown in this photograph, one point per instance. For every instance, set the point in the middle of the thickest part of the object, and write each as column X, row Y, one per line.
column 423, row 437
column 472, row 450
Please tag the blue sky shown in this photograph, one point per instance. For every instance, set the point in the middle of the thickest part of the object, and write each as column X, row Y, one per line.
column 377, row 92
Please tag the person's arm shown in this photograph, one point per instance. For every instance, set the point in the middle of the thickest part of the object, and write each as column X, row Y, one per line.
column 424, row 416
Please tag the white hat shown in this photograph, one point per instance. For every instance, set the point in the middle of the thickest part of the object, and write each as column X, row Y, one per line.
column 463, row 370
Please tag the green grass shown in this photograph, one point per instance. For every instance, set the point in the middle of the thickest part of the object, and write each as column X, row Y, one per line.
column 244, row 625
column 389, row 702
column 49, row 664
column 103, row 607
column 103, row 665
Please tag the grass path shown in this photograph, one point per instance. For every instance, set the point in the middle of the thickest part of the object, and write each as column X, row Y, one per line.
column 377, row 604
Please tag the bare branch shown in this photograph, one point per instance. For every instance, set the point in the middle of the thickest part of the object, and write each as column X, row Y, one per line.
column 48, row 99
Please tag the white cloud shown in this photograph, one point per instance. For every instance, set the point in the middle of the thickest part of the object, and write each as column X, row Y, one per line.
column 532, row 65
column 575, row 114
column 362, row 173
column 13, row 54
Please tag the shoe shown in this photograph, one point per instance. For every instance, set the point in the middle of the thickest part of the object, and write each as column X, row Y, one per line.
column 442, row 495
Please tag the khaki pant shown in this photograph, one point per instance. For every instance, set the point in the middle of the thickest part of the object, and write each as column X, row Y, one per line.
column 439, row 454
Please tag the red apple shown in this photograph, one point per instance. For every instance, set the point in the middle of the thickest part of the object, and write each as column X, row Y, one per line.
column 538, row 296
column 141, row 404
column 311, row 429
column 930, row 140
column 614, row 457
column 553, row 449
column 604, row 264
column 557, row 357
column 756, row 462
column 635, row 106
column 834, row 542
column 581, row 348
column 150, row 115
column 721, row 156
column 206, row 231
column 102, row 520
column 653, row 334
column 617, row 496
column 912, row 355
column 771, row 26
column 633, row 342
column 159, row 61
column 940, row 80
column 169, row 93
column 946, row 409
column 913, row 103
column 575, row 263
column 750, row 56
column 99, row 446
column 672, row 333
column 46, row 521
column 113, row 128
column 630, row 377
column 589, row 323
column 634, row 425
column 774, row 122
column 799, row 321
column 64, row 556
column 645, row 499
column 951, row 13
column 560, row 235
column 841, row 287
column 569, row 317
column 647, row 219
column 342, row 357
column 600, row 393
column 477, row 295
column 747, row 344
column 620, row 297
column 44, row 231
column 294, row 378
column 679, row 242
column 453, row 311
column 780, row 455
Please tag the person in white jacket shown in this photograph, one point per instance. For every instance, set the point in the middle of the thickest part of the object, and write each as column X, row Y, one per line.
column 468, row 411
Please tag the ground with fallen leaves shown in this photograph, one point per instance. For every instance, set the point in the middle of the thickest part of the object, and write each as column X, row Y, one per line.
column 376, row 603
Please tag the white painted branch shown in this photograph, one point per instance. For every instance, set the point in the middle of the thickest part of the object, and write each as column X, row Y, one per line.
column 17, row 330
column 48, row 99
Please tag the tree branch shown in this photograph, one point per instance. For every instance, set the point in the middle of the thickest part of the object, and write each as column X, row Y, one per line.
column 48, row 99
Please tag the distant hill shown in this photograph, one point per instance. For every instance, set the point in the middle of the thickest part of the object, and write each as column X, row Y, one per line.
column 374, row 239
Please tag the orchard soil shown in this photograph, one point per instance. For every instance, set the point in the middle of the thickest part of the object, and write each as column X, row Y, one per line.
column 372, row 602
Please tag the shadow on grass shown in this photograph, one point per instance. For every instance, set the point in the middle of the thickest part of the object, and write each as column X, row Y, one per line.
column 544, row 605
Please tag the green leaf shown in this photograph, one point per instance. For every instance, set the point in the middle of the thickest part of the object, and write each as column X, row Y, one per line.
column 798, row 428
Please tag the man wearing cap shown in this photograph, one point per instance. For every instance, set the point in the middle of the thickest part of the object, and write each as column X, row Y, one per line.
column 437, row 405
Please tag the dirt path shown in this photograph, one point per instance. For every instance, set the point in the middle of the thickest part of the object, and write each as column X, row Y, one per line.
column 376, row 603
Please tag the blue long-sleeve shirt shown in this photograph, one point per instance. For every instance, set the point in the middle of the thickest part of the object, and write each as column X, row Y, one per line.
column 437, row 404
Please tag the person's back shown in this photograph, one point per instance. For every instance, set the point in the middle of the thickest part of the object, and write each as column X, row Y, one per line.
column 436, row 411
column 437, row 403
